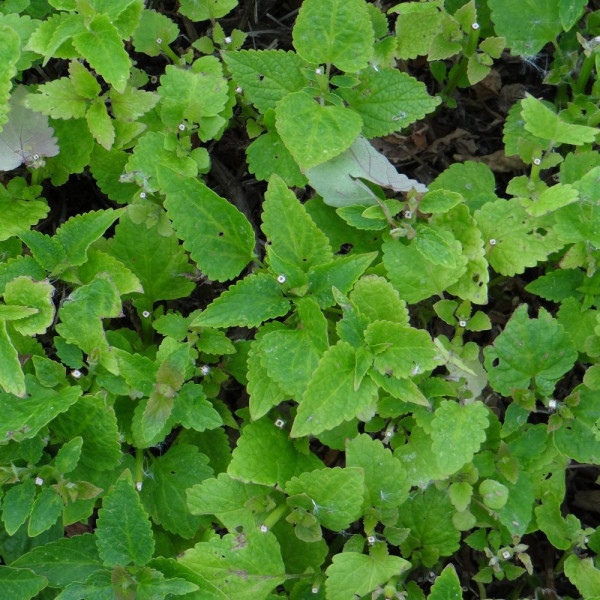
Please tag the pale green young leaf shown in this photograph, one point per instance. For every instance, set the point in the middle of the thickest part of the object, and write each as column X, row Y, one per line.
column 584, row 575
column 152, row 584
column 52, row 38
column 429, row 517
column 17, row 504
column 12, row 379
column 334, row 31
column 227, row 499
column 558, row 285
column 203, row 10
column 519, row 241
column 98, row 586
column 516, row 514
column 159, row 262
column 266, row 76
column 132, row 103
column 313, row 322
column 164, row 490
column 386, row 483
column 46, row 250
column 9, row 55
column 437, row 246
column 290, row 358
column 293, row 234
column 153, row 26
column 247, row 303
column 48, row 506
column 338, row 180
column 100, row 124
column 550, row 520
column 518, row 140
column 439, row 201
column 58, row 99
column 84, row 83
column 137, row 370
column 123, row 531
column 266, row 454
column 570, row 12
column 218, row 236
column 446, row 586
column 388, row 100
column 23, row 419
column 19, row 215
column 20, row 265
column 336, row 494
column 457, row 433
column 20, row 584
column 330, row 398
column 63, row 561
column 246, row 568
column 577, row 321
column 96, row 423
column 264, row 392
column 268, row 156
column 69, row 454
column 542, row 122
column 402, row 389
column 81, row 320
column 401, row 350
column 189, row 96
column 416, row 27
column 25, row 291
column 419, row 459
column 352, row 574
column 192, row 410
column 342, row 273
column 314, row 133
column 15, row 312
column 527, row 26
column 152, row 155
column 102, row 47
column 527, row 349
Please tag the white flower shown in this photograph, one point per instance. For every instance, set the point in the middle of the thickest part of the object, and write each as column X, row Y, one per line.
column 39, row 481
column 159, row 41
column 142, row 194
column 475, row 26
column 506, row 555
column 228, row 40
column 492, row 242
column 281, row 278
column 537, row 161
column 264, row 529
column 239, row 90
column 280, row 423
column 205, row 370
column 408, row 214
column 76, row 373
column 462, row 323
column 145, row 314
column 319, row 71
column 138, row 486
column 552, row 404
column 181, row 127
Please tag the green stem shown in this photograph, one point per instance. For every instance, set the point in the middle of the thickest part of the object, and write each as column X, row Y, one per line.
column 276, row 514
column 584, row 74
column 167, row 50
column 460, row 69
column 139, row 466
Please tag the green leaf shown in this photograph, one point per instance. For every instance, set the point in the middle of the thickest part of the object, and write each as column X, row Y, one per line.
column 38, row 295
column 546, row 124
column 557, row 285
column 517, row 512
column 63, row 561
column 48, row 506
column 158, row 261
column 132, row 103
column 265, row 393
column 336, row 494
column 385, row 477
column 164, row 490
column 352, row 574
column 218, row 236
column 246, row 566
column 151, row 27
column 102, row 47
column 189, row 96
column 17, row 504
column 53, row 36
column 17, row 216
column 334, row 31
column 68, row 456
column 338, row 180
column 519, row 241
column 401, row 350
column 436, row 245
column 123, row 533
column 570, row 12
column 584, row 575
column 388, row 100
column 193, row 410
column 293, row 234
column 23, row 419
column 12, row 379
column 266, row 76
column 247, row 303
column 416, row 27
column 20, row 584
column 203, row 10
column 81, row 320
column 9, row 56
column 446, row 586
column 529, row 349
column 100, row 124
column 326, row 131
column 458, row 432
column 228, row 499
column 527, row 26
column 265, row 454
column 330, row 398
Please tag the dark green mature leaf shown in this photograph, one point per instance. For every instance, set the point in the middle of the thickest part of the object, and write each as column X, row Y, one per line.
column 64, row 561
column 248, row 303
column 265, row 393
column 164, row 491
column 17, row 504
column 334, row 31
column 266, row 454
column 20, row 584
column 123, row 533
column 375, row 298
column 529, row 349
column 153, row 26
column 46, row 509
column 266, row 76
column 12, row 379
column 218, row 236
column 331, row 397
column 246, row 566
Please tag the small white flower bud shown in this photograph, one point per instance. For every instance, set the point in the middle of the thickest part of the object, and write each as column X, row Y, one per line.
column 371, row 539
column 205, row 370
column 142, row 195
column 315, row 590
column 239, row 90
column 408, row 214
column 181, row 127
column 76, row 373
column 537, row 161
column 280, row 423
column 281, row 278
column 319, row 71
column 138, row 486
column 492, row 242
column 264, row 529
column 228, row 40
column 552, row 404
column 36, row 157
column 145, row 314
column 462, row 323
column 39, row 481
column 159, row 41
column 506, row 555
column 475, row 26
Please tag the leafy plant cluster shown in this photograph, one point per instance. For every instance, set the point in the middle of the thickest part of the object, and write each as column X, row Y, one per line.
column 342, row 415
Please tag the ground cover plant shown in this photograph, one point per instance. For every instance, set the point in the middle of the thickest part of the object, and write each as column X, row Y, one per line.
column 299, row 299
